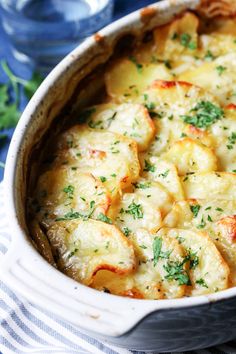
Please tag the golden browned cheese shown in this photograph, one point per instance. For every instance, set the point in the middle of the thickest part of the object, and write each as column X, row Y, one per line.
column 140, row 199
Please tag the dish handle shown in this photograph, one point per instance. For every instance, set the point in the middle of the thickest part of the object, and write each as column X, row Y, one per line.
column 27, row 273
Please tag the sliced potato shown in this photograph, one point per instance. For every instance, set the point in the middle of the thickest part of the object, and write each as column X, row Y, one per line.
column 105, row 154
column 165, row 173
column 224, row 134
column 136, row 211
column 156, row 193
column 64, row 192
column 217, row 76
column 191, row 156
column 85, row 247
column 178, row 37
column 210, row 185
column 129, row 119
column 127, row 79
column 151, row 279
column 213, row 216
column 217, row 44
column 208, row 270
column 170, row 103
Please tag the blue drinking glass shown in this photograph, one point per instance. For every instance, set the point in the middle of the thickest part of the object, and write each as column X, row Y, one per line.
column 42, row 32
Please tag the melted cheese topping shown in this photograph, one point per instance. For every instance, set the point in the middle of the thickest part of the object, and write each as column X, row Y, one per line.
column 140, row 197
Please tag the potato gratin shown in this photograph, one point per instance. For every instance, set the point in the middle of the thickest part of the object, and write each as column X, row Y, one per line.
column 140, row 199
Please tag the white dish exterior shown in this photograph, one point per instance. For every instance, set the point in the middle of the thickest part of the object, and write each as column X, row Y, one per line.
column 167, row 325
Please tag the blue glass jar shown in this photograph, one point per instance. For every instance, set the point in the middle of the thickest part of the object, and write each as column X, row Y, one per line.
column 44, row 31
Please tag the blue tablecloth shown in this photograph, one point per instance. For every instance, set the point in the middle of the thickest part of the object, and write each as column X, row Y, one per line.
column 122, row 7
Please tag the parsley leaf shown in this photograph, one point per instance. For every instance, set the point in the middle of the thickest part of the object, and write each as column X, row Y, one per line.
column 157, row 252
column 185, row 40
column 126, row 231
column 175, row 271
column 104, row 218
column 138, row 65
column 149, row 166
column 195, row 210
column 220, row 69
column 204, row 115
column 135, row 210
column 209, row 56
column 156, row 247
column 201, row 282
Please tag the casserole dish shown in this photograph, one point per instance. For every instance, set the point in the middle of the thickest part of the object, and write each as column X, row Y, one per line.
column 169, row 325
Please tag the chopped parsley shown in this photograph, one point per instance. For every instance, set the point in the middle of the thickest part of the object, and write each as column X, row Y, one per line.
column 176, row 271
column 104, row 218
column 71, row 215
column 164, row 174
column 135, row 210
column 220, row 69
column 140, row 185
column 69, row 190
column 150, row 106
column 185, row 40
column 156, row 247
column 95, row 125
column 138, row 65
column 193, row 259
column 195, row 209
column 149, row 166
column 209, row 218
column 204, row 115
column 202, row 224
column 103, row 179
column 157, row 252
column 126, row 231
column 201, row 282
column 73, row 253
column 209, row 56
column 232, row 140
column 219, row 209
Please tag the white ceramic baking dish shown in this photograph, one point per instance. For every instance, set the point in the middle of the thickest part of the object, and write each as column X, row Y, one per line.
column 166, row 325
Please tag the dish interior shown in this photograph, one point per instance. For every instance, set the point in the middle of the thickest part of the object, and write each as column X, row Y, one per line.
column 135, row 194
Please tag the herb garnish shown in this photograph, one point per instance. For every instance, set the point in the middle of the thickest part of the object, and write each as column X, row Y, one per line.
column 195, row 210
column 175, row 271
column 145, row 185
column 201, row 282
column 232, row 140
column 126, row 231
column 185, row 40
column 220, row 69
column 149, row 166
column 164, row 174
column 103, row 179
column 138, row 65
column 205, row 114
column 104, row 218
column 209, row 56
column 135, row 210
column 157, row 252
column 192, row 258
column 202, row 224
column 69, row 190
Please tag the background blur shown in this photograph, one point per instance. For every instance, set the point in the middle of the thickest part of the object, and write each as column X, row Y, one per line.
column 20, row 70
